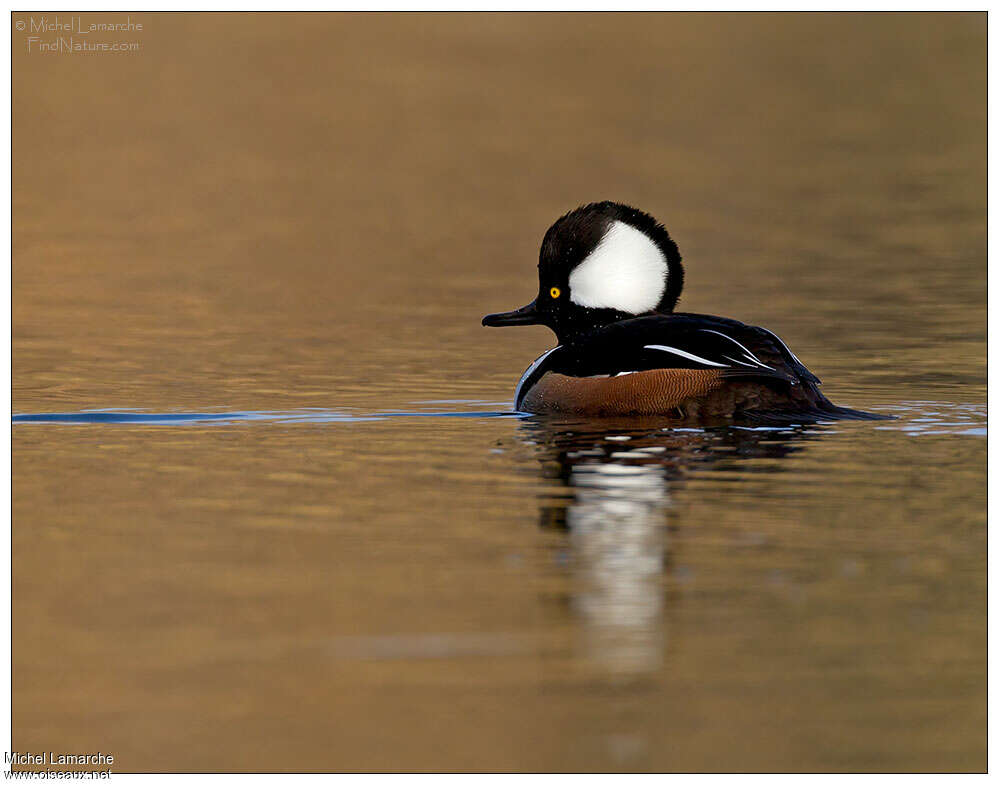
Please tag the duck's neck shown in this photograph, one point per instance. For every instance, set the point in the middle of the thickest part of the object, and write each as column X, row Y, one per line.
column 586, row 320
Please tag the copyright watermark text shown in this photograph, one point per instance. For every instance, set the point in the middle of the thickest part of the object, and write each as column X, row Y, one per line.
column 54, row 766
column 78, row 34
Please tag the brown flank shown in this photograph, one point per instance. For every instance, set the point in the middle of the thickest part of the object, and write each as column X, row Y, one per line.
column 661, row 391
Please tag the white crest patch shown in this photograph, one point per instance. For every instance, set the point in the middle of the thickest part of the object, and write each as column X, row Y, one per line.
column 626, row 272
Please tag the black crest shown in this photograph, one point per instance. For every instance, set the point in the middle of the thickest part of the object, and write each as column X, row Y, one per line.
column 574, row 236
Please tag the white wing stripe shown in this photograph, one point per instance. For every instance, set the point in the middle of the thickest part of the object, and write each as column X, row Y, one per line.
column 777, row 338
column 682, row 353
column 749, row 354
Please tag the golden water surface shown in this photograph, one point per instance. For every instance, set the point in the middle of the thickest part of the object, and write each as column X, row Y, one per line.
column 361, row 559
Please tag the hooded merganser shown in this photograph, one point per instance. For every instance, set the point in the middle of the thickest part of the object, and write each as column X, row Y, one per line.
column 610, row 277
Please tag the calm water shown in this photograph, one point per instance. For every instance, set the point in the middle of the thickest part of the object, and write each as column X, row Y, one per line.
column 272, row 510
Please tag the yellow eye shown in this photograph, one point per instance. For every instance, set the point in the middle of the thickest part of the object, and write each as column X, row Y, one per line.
column 554, row 292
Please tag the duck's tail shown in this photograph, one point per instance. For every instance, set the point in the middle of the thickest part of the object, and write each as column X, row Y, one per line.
column 821, row 411
column 845, row 413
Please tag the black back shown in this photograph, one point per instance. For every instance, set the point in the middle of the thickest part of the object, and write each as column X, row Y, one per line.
column 683, row 340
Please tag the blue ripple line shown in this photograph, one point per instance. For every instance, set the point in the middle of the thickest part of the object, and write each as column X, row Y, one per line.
column 133, row 417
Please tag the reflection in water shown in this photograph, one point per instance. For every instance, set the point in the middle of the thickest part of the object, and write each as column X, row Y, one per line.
column 615, row 525
column 620, row 477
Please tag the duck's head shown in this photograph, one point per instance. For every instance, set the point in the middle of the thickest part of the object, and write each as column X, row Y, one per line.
column 600, row 264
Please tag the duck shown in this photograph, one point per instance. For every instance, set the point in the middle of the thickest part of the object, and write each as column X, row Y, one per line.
column 609, row 278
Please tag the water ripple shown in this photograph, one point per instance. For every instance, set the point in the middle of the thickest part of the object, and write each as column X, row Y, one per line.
column 935, row 418
column 916, row 418
column 142, row 417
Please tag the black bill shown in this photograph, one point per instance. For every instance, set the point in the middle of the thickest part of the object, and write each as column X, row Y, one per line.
column 527, row 315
